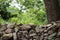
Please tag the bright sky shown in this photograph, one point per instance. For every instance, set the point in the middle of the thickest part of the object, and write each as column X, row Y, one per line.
column 14, row 3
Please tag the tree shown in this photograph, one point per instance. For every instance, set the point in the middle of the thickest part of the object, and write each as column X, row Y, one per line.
column 26, row 11
column 53, row 8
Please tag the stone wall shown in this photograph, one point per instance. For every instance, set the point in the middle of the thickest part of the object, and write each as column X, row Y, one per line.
column 29, row 32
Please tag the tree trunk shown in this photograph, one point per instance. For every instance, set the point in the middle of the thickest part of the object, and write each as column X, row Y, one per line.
column 52, row 9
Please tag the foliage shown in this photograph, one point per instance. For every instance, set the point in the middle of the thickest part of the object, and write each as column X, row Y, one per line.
column 27, row 11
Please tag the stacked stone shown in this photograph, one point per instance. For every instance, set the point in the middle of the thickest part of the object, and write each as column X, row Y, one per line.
column 29, row 32
column 45, row 32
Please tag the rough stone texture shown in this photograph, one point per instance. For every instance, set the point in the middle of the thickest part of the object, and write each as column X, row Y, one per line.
column 30, row 32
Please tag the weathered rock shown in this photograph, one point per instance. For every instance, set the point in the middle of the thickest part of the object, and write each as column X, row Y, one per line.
column 46, row 34
column 24, row 27
column 52, row 35
column 7, row 36
column 14, row 36
column 11, row 26
column 3, row 28
column 9, row 31
column 37, row 29
column 48, row 25
column 50, row 32
column 58, row 33
column 41, row 30
column 32, row 34
column 1, row 34
column 45, row 31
